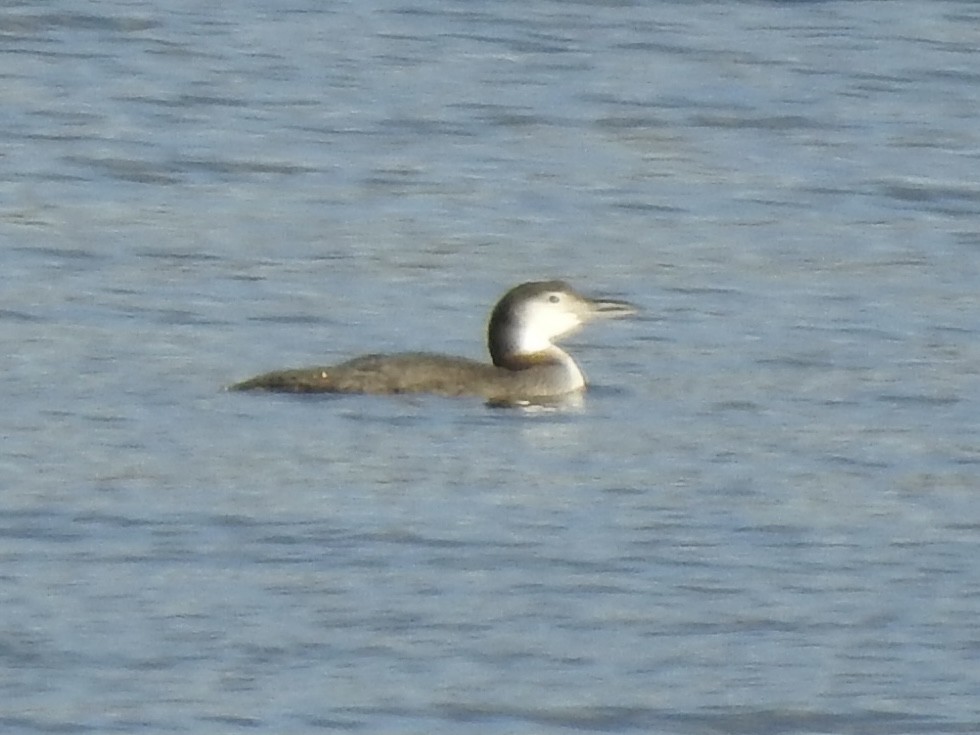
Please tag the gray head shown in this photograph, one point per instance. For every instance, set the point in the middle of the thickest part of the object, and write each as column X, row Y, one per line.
column 531, row 316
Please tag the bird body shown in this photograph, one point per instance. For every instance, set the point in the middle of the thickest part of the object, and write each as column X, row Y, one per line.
column 526, row 364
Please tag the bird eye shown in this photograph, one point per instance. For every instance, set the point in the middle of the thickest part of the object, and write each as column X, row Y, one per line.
column 554, row 298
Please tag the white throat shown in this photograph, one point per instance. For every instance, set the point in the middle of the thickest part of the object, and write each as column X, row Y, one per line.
column 572, row 376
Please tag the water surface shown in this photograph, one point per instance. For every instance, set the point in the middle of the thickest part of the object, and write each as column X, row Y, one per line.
column 763, row 519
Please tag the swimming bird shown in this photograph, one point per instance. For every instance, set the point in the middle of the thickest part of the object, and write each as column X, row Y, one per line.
column 527, row 367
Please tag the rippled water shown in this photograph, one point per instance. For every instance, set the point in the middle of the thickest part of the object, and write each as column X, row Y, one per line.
column 764, row 519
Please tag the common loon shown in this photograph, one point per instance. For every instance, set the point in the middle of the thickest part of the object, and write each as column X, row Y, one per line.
column 527, row 366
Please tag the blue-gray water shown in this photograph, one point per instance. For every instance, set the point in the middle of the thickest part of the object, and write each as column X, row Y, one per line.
column 764, row 519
